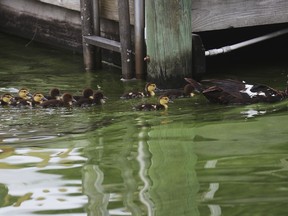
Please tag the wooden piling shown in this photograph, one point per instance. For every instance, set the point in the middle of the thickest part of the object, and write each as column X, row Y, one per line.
column 87, row 30
column 139, row 38
column 96, row 32
column 198, row 57
column 125, row 39
column 169, row 41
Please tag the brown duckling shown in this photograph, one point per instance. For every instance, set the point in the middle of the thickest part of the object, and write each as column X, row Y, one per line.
column 230, row 91
column 54, row 93
column 6, row 99
column 149, row 91
column 97, row 99
column 65, row 101
column 87, row 93
column 162, row 105
column 187, row 91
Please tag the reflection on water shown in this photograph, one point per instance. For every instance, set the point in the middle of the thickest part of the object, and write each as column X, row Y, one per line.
column 194, row 159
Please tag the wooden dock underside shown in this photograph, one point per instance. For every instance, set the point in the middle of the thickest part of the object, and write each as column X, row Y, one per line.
column 209, row 15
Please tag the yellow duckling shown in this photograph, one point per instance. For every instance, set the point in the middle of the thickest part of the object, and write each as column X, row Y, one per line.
column 162, row 105
column 6, row 99
column 149, row 91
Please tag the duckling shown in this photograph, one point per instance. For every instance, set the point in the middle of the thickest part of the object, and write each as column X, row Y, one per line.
column 23, row 94
column 97, row 99
column 6, row 99
column 37, row 99
column 87, row 93
column 149, row 91
column 230, row 91
column 65, row 101
column 54, row 93
column 163, row 105
column 187, row 91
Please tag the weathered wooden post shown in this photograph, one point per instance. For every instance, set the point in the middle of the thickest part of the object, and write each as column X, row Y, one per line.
column 125, row 39
column 97, row 32
column 139, row 38
column 87, row 30
column 169, row 41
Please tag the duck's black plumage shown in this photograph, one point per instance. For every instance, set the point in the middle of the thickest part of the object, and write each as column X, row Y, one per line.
column 148, row 92
column 162, row 105
column 230, row 91
column 65, row 101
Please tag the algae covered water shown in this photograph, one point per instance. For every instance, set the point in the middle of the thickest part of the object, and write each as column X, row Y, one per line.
column 196, row 158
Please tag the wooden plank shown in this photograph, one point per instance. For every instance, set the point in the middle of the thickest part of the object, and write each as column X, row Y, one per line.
column 218, row 14
column 108, row 8
column 69, row 4
column 103, row 43
column 169, row 41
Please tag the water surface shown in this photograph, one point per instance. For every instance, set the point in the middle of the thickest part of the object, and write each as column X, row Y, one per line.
column 194, row 159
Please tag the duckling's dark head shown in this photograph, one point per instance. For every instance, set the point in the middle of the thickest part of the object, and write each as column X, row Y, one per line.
column 88, row 93
column 99, row 98
column 68, row 99
column 55, row 93
column 24, row 93
column 189, row 90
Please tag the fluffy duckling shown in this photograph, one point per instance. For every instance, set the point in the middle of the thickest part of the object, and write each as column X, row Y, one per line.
column 149, row 91
column 187, row 91
column 6, row 99
column 54, row 93
column 23, row 94
column 37, row 99
column 65, row 101
column 87, row 93
column 230, row 91
column 98, row 98
column 162, row 105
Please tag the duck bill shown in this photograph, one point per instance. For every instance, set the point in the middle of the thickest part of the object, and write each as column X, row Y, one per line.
column 102, row 101
column 29, row 95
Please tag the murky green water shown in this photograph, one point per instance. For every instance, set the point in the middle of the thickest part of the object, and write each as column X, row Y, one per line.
column 194, row 159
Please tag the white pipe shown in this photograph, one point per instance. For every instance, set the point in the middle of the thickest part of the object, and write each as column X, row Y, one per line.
column 245, row 43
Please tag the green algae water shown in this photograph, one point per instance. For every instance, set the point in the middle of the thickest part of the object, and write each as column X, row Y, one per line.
column 196, row 158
